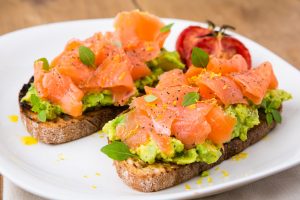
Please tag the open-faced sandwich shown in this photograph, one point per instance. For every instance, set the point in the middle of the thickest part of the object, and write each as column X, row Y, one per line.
column 93, row 80
column 193, row 121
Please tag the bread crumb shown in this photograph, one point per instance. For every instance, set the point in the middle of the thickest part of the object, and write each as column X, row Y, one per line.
column 29, row 140
column 187, row 186
column 13, row 118
column 225, row 173
column 240, row 156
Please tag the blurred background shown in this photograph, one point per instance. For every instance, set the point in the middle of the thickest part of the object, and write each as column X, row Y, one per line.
column 272, row 23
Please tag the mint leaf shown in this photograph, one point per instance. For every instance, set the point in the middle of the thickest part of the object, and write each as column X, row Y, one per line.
column 46, row 66
column 190, row 98
column 276, row 115
column 42, row 116
column 166, row 28
column 199, row 57
column 86, row 56
column 269, row 118
column 150, row 98
column 117, row 151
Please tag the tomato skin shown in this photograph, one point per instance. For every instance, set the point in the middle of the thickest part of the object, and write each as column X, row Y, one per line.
column 221, row 46
column 191, row 32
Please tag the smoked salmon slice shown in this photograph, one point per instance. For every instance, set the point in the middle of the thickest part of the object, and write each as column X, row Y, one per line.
column 62, row 91
column 212, row 85
column 191, row 126
column 254, row 83
column 174, row 77
column 221, row 125
column 225, row 66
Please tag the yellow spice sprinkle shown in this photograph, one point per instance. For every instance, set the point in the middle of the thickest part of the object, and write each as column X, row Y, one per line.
column 13, row 118
column 174, row 103
column 217, row 168
column 209, row 179
column 199, row 181
column 149, row 48
column 61, row 156
column 193, row 106
column 94, row 187
column 225, row 173
column 187, row 186
column 240, row 156
column 121, row 77
column 85, row 176
column 29, row 140
column 98, row 174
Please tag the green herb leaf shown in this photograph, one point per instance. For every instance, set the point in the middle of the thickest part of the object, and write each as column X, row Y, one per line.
column 86, row 56
column 42, row 116
column 269, row 118
column 117, row 151
column 199, row 57
column 166, row 28
column 190, row 98
column 276, row 115
column 150, row 98
column 46, row 66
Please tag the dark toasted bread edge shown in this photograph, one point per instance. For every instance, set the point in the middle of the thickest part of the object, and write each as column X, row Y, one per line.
column 64, row 128
column 154, row 177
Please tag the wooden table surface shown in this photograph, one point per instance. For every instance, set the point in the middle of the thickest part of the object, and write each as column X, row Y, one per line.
column 272, row 23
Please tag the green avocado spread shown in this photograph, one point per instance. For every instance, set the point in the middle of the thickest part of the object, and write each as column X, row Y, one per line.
column 247, row 117
column 39, row 105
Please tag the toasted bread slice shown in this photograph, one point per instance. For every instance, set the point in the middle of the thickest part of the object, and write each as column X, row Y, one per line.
column 154, row 177
column 65, row 128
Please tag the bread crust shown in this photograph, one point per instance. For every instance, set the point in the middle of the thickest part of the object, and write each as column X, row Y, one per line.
column 154, row 177
column 65, row 128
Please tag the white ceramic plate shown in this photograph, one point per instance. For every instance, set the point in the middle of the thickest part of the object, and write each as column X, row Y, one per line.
column 70, row 171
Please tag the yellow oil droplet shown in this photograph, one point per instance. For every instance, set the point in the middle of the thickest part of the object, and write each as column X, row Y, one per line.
column 187, row 186
column 199, row 181
column 240, row 156
column 85, row 176
column 225, row 173
column 209, row 179
column 29, row 140
column 217, row 168
column 13, row 118
column 98, row 174
column 94, row 187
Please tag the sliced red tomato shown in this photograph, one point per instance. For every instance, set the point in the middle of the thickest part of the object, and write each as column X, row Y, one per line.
column 187, row 38
column 220, row 46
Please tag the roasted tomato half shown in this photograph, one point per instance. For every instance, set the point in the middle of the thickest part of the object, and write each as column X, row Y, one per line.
column 214, row 42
